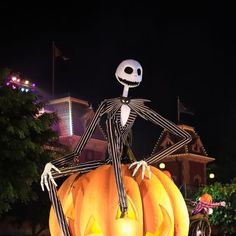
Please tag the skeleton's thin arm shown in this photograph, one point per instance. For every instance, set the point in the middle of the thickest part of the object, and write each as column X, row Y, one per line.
column 84, row 139
column 154, row 117
column 211, row 205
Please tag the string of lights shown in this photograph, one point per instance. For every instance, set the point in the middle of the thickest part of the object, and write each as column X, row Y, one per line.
column 16, row 82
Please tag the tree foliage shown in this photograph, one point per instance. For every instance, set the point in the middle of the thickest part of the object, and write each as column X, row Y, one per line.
column 23, row 135
column 223, row 217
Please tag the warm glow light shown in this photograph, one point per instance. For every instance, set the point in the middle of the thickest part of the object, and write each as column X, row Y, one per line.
column 13, row 78
column 211, row 176
column 126, row 227
column 27, row 82
column 162, row 165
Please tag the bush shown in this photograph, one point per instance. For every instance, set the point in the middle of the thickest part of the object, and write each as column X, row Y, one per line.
column 224, row 218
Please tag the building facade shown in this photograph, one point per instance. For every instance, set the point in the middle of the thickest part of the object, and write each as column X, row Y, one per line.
column 74, row 116
column 188, row 164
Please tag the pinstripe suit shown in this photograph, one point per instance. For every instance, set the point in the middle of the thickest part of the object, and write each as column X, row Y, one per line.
column 116, row 135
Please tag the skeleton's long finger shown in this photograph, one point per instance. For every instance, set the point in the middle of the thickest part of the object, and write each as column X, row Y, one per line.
column 133, row 164
column 46, row 182
column 42, row 184
column 136, row 169
column 52, row 179
column 56, row 169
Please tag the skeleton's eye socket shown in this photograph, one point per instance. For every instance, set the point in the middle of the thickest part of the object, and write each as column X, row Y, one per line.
column 139, row 71
column 128, row 70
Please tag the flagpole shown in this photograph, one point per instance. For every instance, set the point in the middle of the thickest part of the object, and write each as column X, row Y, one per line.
column 178, row 113
column 53, row 66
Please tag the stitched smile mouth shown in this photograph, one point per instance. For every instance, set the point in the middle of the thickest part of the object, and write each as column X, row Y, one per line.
column 130, row 83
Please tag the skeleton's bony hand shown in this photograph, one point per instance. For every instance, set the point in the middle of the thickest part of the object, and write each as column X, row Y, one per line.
column 145, row 167
column 47, row 174
column 223, row 204
column 210, row 211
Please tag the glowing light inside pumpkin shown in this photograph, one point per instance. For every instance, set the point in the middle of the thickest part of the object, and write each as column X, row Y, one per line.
column 92, row 228
column 127, row 227
column 162, row 165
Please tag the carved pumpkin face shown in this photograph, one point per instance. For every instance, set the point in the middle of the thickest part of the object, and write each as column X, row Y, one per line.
column 91, row 205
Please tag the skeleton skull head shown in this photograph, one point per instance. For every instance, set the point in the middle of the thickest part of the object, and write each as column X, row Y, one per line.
column 129, row 73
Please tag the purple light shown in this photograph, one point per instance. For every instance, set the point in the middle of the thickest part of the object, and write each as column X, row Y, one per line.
column 33, row 84
column 8, row 83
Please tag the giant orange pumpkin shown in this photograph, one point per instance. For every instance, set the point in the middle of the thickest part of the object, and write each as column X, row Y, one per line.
column 91, row 205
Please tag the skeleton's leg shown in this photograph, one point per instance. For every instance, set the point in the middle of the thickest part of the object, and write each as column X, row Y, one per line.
column 58, row 209
column 115, row 153
column 81, row 168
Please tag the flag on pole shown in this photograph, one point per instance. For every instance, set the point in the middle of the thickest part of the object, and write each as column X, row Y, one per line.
column 182, row 109
column 58, row 54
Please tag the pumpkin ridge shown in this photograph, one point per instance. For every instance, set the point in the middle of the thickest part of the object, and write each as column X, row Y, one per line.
column 94, row 201
column 154, row 194
column 152, row 203
column 181, row 217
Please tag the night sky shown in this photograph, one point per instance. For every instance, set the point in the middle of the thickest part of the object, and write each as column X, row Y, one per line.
column 185, row 49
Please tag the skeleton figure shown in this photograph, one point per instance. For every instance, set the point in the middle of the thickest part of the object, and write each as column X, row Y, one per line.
column 121, row 113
